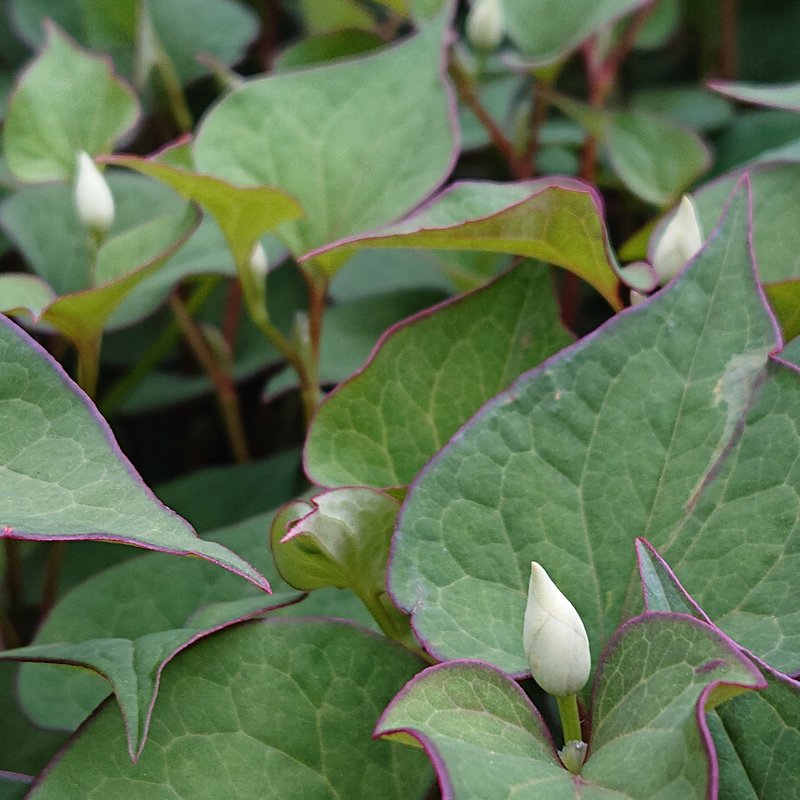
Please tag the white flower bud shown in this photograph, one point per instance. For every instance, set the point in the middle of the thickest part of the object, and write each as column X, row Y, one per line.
column 485, row 26
column 680, row 240
column 554, row 638
column 258, row 261
column 93, row 199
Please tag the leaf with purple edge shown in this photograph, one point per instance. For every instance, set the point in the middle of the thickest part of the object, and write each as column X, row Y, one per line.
column 62, row 474
column 243, row 214
column 283, row 704
column 382, row 425
column 574, row 460
column 755, row 735
column 776, row 236
column 133, row 667
column 45, row 130
column 778, row 95
column 656, row 678
column 152, row 594
column 388, row 119
column 557, row 220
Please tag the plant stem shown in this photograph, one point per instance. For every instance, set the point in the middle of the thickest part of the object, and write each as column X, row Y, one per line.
column 466, row 91
column 728, row 56
column 158, row 351
column 233, row 313
column 570, row 718
column 88, row 365
column 224, row 387
column 52, row 576
column 541, row 105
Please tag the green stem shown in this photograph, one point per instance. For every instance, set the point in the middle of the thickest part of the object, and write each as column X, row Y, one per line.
column 395, row 626
column 570, row 718
column 88, row 365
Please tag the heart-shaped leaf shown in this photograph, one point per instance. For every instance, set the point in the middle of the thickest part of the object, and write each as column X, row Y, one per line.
column 150, row 595
column 556, row 220
column 45, row 130
column 381, row 426
column 611, row 439
column 658, row 676
column 62, row 474
column 388, row 122
column 285, row 704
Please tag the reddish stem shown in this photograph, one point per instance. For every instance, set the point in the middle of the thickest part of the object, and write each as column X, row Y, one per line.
column 729, row 55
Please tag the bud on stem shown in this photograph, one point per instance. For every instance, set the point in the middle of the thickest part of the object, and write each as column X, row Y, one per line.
column 92, row 195
column 485, row 29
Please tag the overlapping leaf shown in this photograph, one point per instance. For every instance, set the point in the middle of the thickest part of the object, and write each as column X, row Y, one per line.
column 63, row 476
column 428, row 376
column 154, row 596
column 756, row 734
column 287, row 705
column 613, row 439
column 45, row 129
column 659, row 675
column 387, row 123
column 559, row 221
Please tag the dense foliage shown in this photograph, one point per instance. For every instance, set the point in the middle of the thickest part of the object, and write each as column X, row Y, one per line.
column 386, row 300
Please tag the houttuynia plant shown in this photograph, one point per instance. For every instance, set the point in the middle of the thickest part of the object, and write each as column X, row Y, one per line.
column 458, row 342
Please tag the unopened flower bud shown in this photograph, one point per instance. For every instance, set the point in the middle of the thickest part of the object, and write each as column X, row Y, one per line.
column 554, row 638
column 93, row 199
column 680, row 240
column 258, row 261
column 485, row 26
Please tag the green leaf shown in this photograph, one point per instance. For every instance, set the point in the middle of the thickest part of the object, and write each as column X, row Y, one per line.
column 326, row 47
column 557, row 220
column 21, row 292
column 686, row 105
column 784, row 95
column 763, row 731
column 288, row 705
column 429, row 375
column 243, row 214
column 487, row 740
column 45, row 130
column 63, row 257
column 220, row 28
column 218, row 496
column 545, row 33
column 776, row 238
column 576, row 458
column 753, row 506
column 151, row 594
column 662, row 590
column 482, row 732
column 654, row 157
column 62, row 474
column 391, row 108
column 133, row 667
column 123, row 262
column 754, row 734
column 659, row 673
